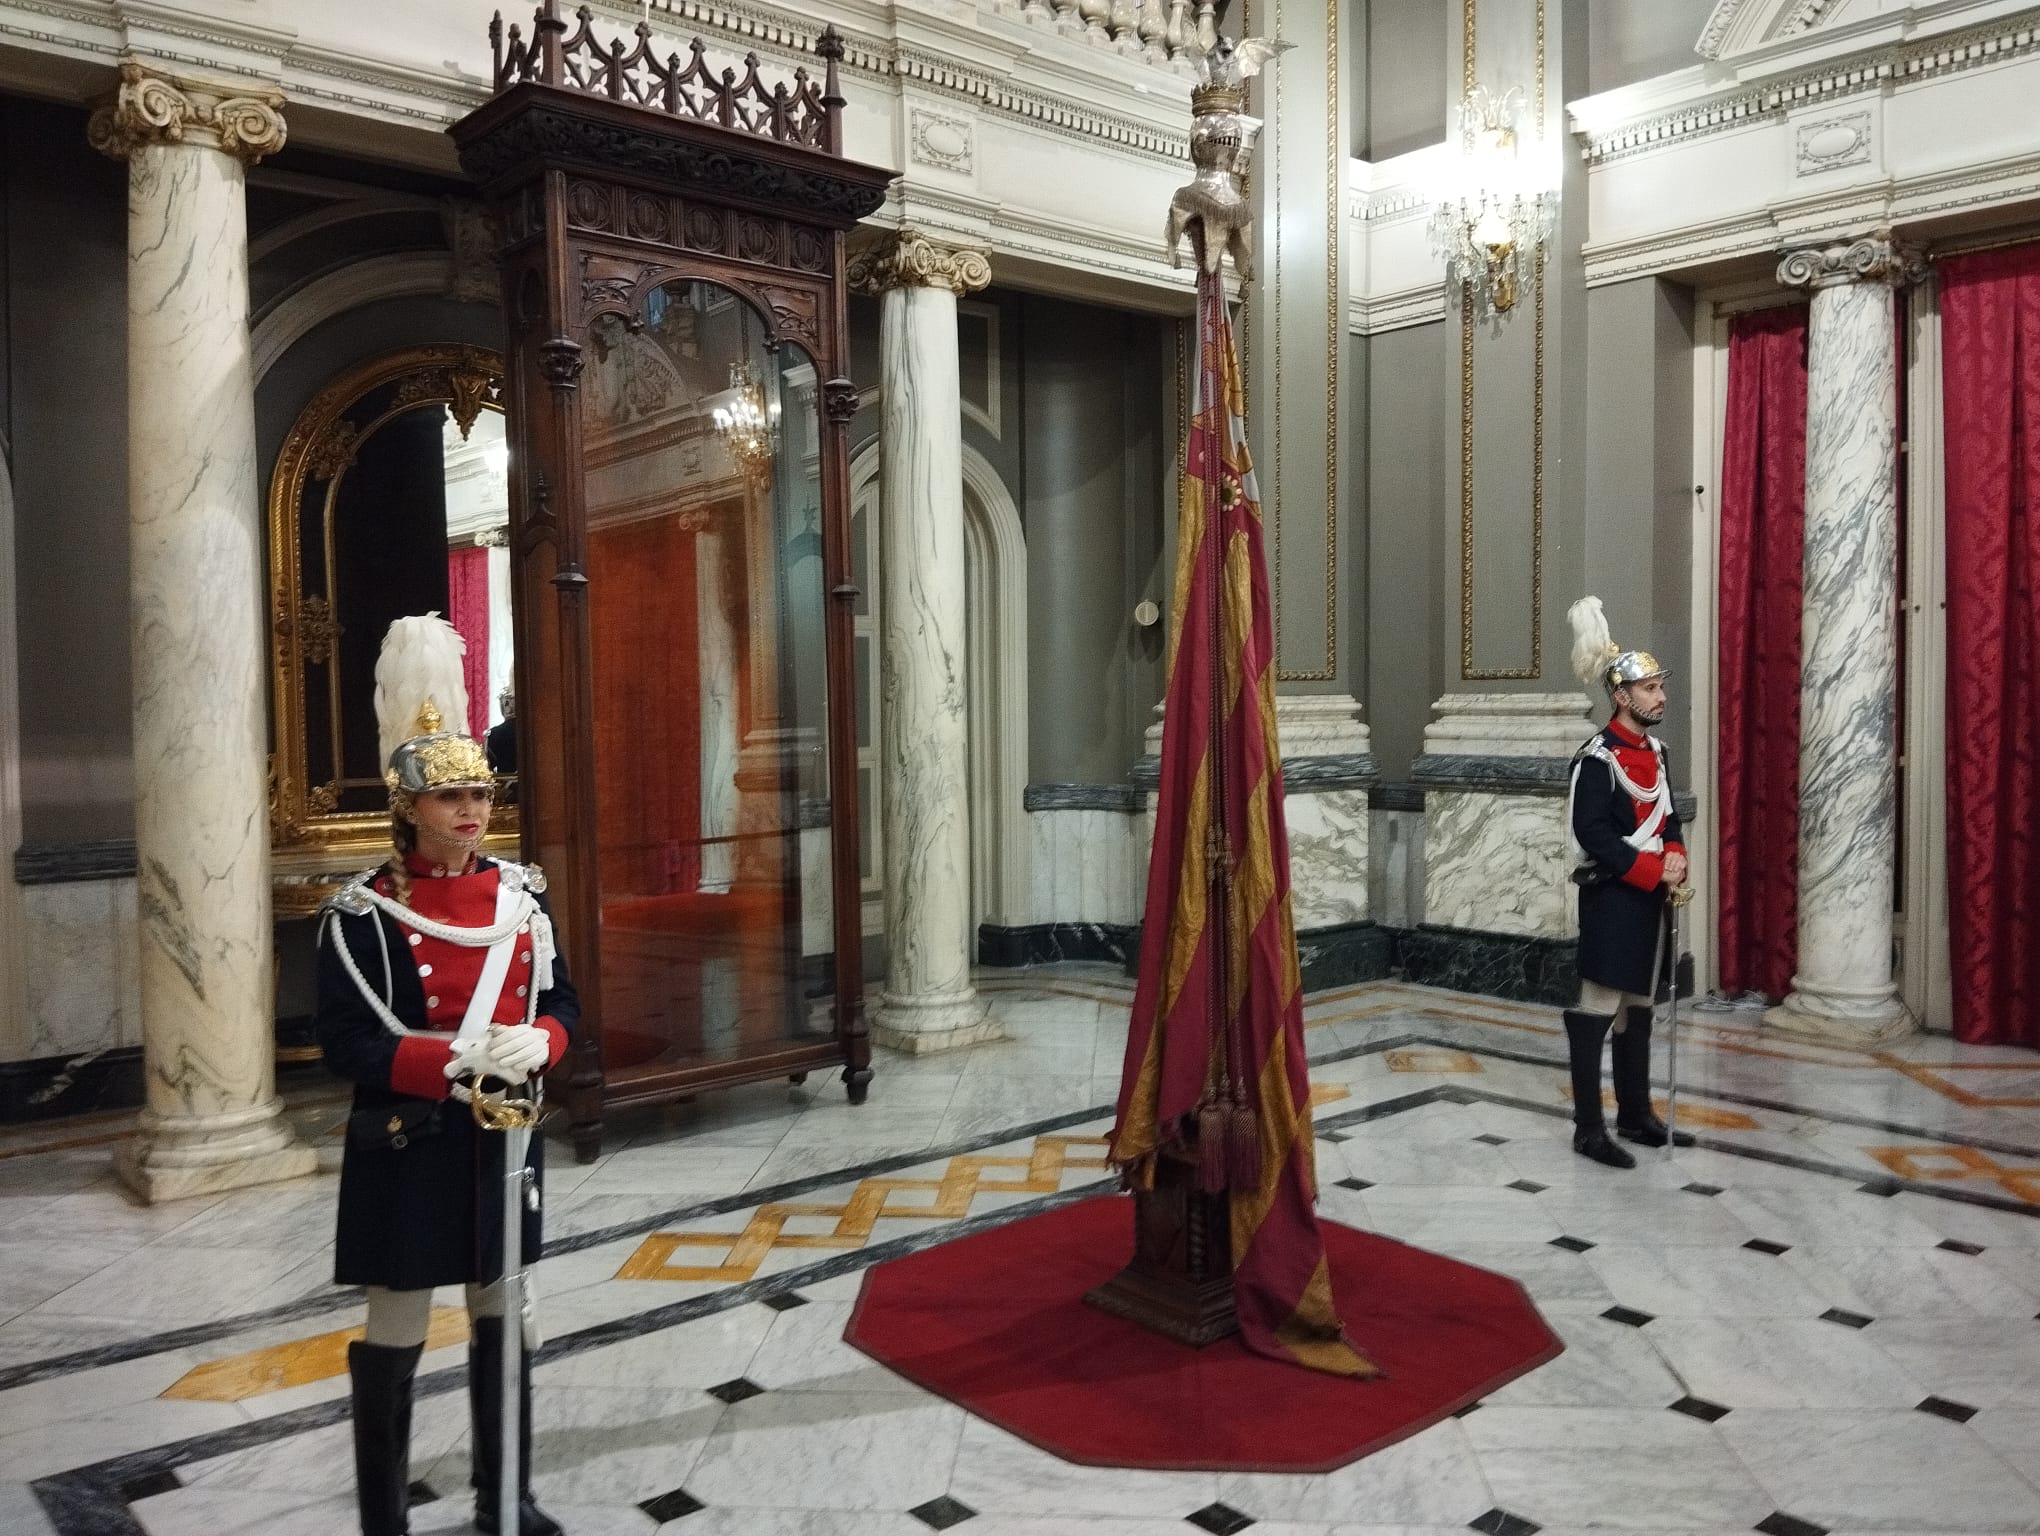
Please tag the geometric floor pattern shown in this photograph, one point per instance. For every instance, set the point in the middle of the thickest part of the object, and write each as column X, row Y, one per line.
column 1824, row 1318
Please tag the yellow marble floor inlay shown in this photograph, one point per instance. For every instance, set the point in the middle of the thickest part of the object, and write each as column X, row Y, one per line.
column 1426, row 1060
column 296, row 1363
column 1941, row 1163
column 1328, row 1093
column 852, row 1221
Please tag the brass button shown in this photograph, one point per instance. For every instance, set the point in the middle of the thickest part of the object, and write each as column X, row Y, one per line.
column 396, row 1124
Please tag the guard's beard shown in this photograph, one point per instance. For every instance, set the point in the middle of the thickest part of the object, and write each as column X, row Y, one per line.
column 1644, row 719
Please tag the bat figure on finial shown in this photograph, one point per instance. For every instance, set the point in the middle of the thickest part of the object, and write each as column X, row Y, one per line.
column 1213, row 209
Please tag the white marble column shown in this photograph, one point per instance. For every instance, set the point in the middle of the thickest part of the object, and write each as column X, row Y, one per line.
column 928, row 1002
column 1842, row 986
column 718, row 713
column 212, row 1120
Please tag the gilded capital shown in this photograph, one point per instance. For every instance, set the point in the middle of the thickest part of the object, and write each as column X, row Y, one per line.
column 906, row 258
column 151, row 107
column 1876, row 258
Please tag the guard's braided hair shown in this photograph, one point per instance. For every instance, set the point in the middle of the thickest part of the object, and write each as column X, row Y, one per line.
column 403, row 837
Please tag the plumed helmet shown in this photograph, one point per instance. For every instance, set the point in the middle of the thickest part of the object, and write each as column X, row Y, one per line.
column 419, row 688
column 1597, row 659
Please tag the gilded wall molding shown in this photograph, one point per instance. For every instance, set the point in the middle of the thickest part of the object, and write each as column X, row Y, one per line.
column 1468, row 672
column 907, row 258
column 152, row 107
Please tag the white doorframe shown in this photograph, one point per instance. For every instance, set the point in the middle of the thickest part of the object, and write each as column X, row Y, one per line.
column 995, row 572
column 1703, row 838
column 16, row 1029
column 1924, row 982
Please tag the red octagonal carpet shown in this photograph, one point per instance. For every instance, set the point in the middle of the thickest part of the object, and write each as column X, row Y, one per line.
column 996, row 1322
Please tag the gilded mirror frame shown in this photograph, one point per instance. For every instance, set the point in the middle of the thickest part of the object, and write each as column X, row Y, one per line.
column 320, row 446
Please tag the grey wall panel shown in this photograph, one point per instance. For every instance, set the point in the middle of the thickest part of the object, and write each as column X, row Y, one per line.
column 1413, row 510
column 1631, row 40
column 1088, row 412
column 1639, row 513
column 1407, row 89
column 66, row 270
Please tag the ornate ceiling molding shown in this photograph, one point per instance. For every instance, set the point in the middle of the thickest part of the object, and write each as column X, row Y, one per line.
column 1719, row 109
column 1739, row 24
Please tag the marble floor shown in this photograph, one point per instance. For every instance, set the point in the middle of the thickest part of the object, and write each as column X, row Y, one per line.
column 1825, row 1318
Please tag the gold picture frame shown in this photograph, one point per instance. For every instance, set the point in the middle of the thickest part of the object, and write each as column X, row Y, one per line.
column 310, row 831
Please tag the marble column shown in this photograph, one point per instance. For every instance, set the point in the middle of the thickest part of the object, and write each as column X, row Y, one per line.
column 928, row 1002
column 719, row 652
column 1843, row 987
column 212, row 1119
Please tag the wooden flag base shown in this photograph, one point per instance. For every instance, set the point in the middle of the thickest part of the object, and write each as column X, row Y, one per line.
column 1180, row 1281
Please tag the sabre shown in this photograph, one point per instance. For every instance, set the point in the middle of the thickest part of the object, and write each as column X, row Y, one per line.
column 1682, row 896
column 514, row 1118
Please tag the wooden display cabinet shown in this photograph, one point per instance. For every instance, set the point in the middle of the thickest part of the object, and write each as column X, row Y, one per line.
column 671, row 245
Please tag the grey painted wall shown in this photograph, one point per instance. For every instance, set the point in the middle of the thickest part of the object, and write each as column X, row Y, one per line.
column 1412, row 517
column 65, row 237
column 1639, row 513
column 1630, row 40
column 1092, row 454
column 1407, row 91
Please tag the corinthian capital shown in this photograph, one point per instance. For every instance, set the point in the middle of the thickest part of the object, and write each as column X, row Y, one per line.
column 151, row 107
column 907, row 258
column 1876, row 258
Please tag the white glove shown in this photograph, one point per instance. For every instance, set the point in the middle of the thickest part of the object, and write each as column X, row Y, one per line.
column 523, row 1049
column 474, row 1057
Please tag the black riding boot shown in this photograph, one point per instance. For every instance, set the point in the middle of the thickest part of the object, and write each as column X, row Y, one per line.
column 1635, row 1120
column 1584, row 1033
column 485, row 1368
column 381, row 1379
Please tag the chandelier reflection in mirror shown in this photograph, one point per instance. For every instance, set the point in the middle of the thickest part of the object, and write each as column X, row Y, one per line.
column 747, row 424
column 1499, row 209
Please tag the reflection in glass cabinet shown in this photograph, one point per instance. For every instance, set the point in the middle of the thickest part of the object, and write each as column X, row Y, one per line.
column 702, row 452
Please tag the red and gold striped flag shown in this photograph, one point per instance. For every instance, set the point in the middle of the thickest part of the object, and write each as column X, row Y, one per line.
column 1215, row 1056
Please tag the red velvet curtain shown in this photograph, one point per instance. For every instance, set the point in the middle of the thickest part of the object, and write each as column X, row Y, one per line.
column 1763, row 523
column 1990, row 367
column 467, row 601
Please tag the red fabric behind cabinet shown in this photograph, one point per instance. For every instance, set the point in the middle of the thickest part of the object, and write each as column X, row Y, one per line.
column 467, row 601
column 1763, row 525
column 1990, row 368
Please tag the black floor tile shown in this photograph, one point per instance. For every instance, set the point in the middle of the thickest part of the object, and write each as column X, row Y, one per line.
column 1499, row 1522
column 1355, row 1184
column 1629, row 1315
column 672, row 1506
column 1943, row 1408
column 1460, row 1413
column 736, row 1391
column 1571, row 1244
column 1699, row 1408
column 1701, row 1189
column 1765, row 1245
column 785, row 1301
column 422, row 1493
column 1220, row 1519
column 1782, row 1524
column 1846, row 1319
column 138, row 1488
column 1493, row 1140
column 1954, row 1247
column 1885, row 1188
column 940, row 1514
column 1528, row 1186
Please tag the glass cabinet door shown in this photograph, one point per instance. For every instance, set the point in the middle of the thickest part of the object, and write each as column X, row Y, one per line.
column 706, row 602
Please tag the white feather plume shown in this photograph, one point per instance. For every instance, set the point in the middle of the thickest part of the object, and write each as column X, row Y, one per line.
column 1593, row 652
column 420, row 664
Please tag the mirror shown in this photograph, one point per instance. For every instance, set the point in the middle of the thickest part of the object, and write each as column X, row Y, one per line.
column 706, row 601
column 390, row 497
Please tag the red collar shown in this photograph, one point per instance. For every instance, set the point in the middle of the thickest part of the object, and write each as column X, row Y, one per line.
column 1622, row 733
column 425, row 869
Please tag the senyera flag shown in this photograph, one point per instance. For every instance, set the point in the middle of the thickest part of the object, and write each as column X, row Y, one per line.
column 1214, row 1060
